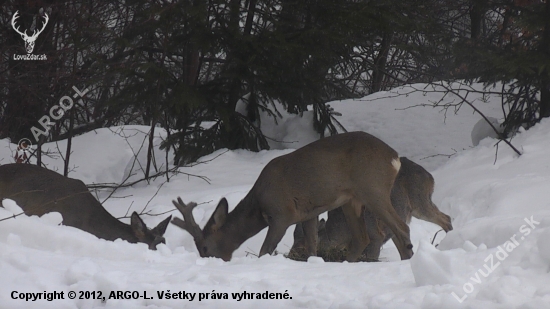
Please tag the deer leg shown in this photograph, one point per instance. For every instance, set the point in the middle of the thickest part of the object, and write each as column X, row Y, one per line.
column 310, row 232
column 372, row 252
column 403, row 243
column 275, row 233
column 360, row 239
column 298, row 247
column 382, row 208
column 401, row 238
column 376, row 235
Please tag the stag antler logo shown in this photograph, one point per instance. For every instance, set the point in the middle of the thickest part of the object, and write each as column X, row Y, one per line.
column 29, row 40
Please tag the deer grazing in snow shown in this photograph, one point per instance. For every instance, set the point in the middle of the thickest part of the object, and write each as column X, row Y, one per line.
column 39, row 191
column 354, row 171
column 411, row 195
column 29, row 40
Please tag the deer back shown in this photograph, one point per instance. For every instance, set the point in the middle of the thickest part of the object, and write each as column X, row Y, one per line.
column 39, row 191
column 320, row 175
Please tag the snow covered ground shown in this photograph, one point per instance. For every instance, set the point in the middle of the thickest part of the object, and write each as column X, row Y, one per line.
column 497, row 256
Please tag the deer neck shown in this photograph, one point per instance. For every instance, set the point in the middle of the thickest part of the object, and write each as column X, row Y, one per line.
column 243, row 222
column 105, row 226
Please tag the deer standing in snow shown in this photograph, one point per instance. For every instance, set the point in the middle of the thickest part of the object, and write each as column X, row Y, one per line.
column 354, row 171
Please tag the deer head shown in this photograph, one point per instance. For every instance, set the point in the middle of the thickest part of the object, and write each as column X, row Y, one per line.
column 208, row 242
column 151, row 237
column 29, row 40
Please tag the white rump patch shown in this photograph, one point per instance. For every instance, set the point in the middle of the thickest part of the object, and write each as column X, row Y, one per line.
column 396, row 163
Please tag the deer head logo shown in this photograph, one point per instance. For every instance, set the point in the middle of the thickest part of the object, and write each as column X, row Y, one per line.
column 29, row 40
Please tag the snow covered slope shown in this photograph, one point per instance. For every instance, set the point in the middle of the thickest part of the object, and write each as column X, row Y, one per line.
column 497, row 256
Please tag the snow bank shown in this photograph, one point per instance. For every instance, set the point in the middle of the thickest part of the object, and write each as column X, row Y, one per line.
column 480, row 264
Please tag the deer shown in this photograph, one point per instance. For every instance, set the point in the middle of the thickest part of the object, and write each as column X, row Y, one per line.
column 353, row 171
column 411, row 196
column 39, row 191
column 29, row 40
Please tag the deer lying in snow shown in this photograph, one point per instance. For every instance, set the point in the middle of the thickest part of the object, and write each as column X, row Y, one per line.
column 411, row 195
column 354, row 171
column 38, row 191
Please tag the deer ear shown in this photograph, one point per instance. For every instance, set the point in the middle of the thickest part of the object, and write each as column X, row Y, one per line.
column 219, row 215
column 138, row 226
column 161, row 227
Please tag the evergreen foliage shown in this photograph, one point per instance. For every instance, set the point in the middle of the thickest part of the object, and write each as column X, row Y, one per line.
column 186, row 65
column 515, row 52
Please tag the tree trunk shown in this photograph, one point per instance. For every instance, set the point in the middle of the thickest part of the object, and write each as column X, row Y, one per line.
column 477, row 11
column 545, row 80
column 69, row 143
column 379, row 69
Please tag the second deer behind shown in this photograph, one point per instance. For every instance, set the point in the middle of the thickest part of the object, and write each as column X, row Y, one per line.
column 411, row 196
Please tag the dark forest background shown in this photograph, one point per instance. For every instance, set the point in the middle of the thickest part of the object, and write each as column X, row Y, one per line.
column 184, row 65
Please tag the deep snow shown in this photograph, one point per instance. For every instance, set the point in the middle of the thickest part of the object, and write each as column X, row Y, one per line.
column 488, row 198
